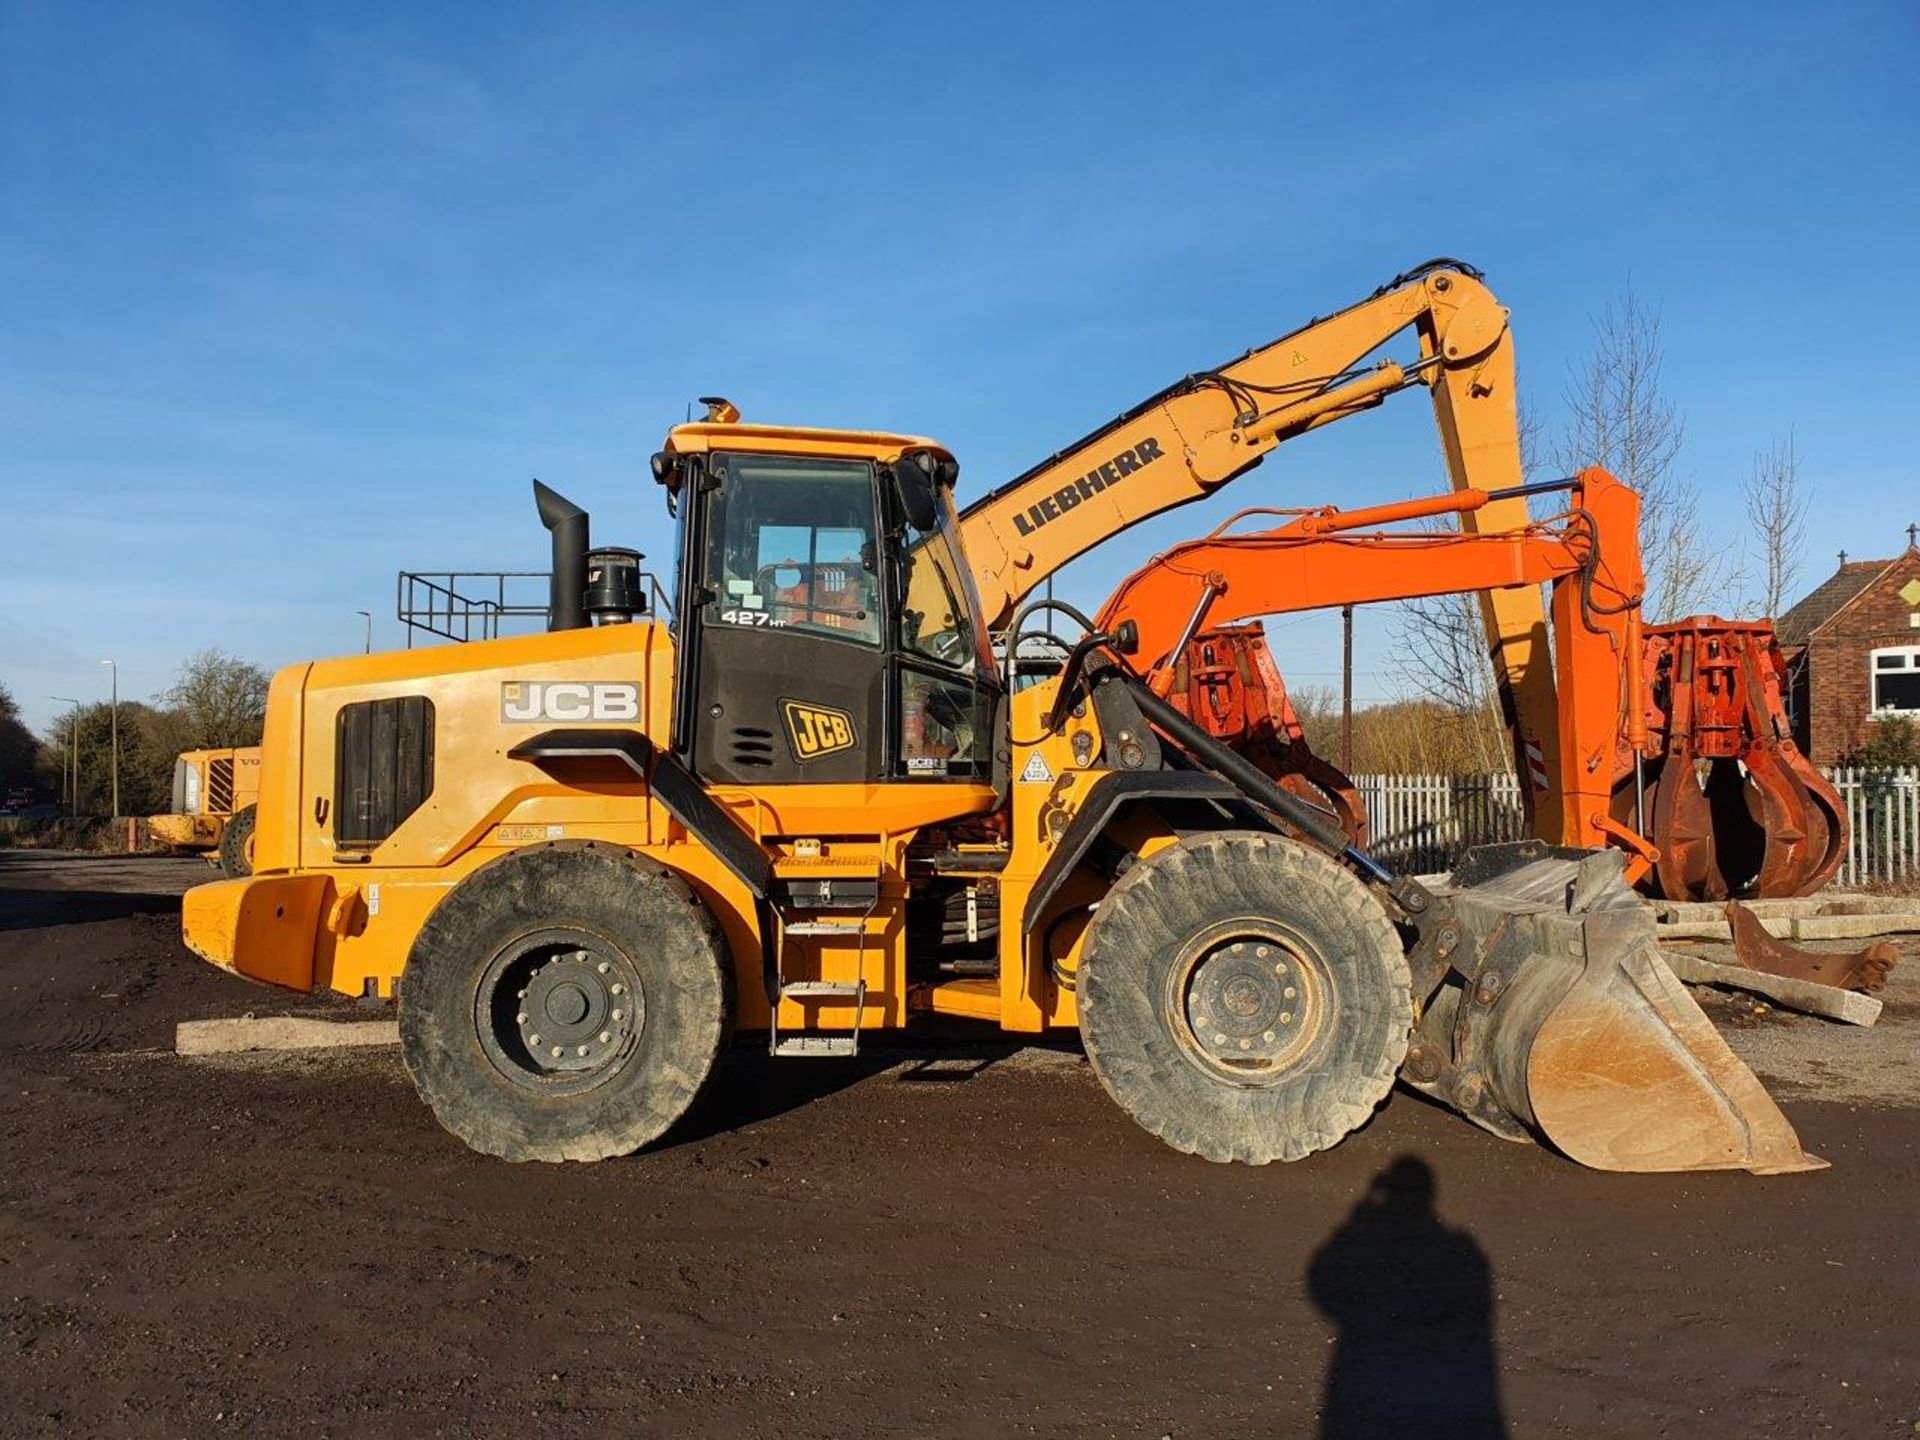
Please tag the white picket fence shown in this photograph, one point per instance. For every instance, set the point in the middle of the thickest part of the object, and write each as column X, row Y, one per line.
column 1883, row 812
column 1421, row 823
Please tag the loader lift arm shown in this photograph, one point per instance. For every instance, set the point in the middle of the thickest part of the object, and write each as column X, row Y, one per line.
column 1214, row 425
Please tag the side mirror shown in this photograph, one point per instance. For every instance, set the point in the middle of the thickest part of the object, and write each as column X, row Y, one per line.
column 913, row 480
column 1126, row 638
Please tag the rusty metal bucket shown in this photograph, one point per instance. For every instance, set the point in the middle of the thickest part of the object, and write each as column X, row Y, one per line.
column 1561, row 1022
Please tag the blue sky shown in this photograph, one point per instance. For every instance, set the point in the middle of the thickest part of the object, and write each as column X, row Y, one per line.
column 294, row 297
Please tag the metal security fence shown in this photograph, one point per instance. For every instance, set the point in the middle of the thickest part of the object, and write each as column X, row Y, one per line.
column 1422, row 823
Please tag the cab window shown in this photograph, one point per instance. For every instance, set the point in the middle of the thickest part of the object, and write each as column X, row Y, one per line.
column 946, row 726
column 795, row 549
column 936, row 622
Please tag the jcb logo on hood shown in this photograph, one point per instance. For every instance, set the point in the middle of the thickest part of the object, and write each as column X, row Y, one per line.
column 816, row 730
column 527, row 701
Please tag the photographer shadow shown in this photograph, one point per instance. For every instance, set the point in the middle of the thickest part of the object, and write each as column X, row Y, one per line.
column 1413, row 1301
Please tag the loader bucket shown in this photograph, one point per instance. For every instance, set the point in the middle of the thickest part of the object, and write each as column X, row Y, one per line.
column 1566, row 1025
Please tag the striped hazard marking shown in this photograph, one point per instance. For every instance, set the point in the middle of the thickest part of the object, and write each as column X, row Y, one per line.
column 1536, row 762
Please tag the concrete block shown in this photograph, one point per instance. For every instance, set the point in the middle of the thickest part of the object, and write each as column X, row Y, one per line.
column 1803, row 995
column 1695, row 930
column 1848, row 927
column 280, row 1032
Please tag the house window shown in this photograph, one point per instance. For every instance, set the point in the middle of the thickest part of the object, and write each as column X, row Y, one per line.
column 1895, row 678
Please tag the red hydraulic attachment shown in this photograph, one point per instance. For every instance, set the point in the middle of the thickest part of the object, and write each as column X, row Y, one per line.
column 1225, row 681
column 1733, row 807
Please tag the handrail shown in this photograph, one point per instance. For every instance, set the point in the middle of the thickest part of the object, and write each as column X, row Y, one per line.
column 454, row 604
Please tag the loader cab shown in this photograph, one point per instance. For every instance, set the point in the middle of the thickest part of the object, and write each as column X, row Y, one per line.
column 829, row 631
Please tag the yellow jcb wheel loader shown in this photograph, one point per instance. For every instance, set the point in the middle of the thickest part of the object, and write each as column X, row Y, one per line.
column 816, row 805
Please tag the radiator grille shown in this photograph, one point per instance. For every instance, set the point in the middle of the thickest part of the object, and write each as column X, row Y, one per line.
column 220, row 786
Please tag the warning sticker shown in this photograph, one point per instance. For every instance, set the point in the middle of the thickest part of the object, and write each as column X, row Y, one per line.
column 1036, row 771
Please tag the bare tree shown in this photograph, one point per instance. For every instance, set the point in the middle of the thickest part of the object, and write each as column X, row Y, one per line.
column 1317, row 708
column 1440, row 646
column 1441, row 654
column 1776, row 515
column 19, row 752
column 1619, row 418
column 219, row 700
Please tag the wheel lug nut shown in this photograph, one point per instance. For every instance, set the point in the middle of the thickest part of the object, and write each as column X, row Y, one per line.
column 580, row 1050
column 1286, row 1018
column 604, row 967
column 1238, row 947
column 1261, row 951
column 555, row 1052
column 521, row 1018
column 1291, row 992
column 1267, row 1035
column 533, row 1039
column 619, row 1014
column 1246, row 1044
column 1219, row 1039
column 619, row 989
column 606, row 1037
column 1280, row 969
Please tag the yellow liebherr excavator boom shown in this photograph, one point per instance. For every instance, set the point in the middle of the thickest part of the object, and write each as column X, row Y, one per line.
column 1214, row 425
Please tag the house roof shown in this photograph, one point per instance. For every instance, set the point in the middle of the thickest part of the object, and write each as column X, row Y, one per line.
column 1827, row 599
column 1821, row 603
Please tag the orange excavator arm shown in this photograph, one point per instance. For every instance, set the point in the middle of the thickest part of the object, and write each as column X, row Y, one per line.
column 1195, row 436
column 1590, row 556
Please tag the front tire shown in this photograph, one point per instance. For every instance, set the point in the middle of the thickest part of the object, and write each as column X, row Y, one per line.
column 1244, row 998
column 565, row 1002
column 236, row 845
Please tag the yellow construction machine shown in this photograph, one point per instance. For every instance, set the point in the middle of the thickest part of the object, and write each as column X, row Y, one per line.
column 213, row 806
column 818, row 803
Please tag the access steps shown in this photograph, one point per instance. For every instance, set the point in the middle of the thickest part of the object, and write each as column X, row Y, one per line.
column 831, row 903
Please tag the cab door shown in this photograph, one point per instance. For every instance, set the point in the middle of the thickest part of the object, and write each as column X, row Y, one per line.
column 790, row 658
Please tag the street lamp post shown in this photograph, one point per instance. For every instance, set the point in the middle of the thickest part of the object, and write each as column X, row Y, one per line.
column 72, row 797
column 369, row 617
column 116, row 735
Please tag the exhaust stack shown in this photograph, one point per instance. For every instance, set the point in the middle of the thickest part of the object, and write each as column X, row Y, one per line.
column 567, row 522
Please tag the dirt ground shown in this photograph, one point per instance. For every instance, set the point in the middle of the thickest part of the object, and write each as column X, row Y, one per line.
column 946, row 1240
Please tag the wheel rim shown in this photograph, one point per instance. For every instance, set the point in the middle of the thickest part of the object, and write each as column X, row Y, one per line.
column 1249, row 1002
column 559, row 1011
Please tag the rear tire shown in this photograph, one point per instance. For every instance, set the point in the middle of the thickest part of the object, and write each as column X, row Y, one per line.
column 236, row 845
column 565, row 1002
column 1244, row 998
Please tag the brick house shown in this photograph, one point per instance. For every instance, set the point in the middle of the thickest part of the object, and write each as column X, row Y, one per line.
column 1853, row 648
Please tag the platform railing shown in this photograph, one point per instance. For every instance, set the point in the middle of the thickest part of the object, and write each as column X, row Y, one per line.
column 467, row 605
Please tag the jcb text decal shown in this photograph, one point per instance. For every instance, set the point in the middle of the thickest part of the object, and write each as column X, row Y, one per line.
column 1068, row 497
column 531, row 701
column 816, row 730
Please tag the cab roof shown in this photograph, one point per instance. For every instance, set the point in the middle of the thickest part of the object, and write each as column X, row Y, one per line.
column 702, row 436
